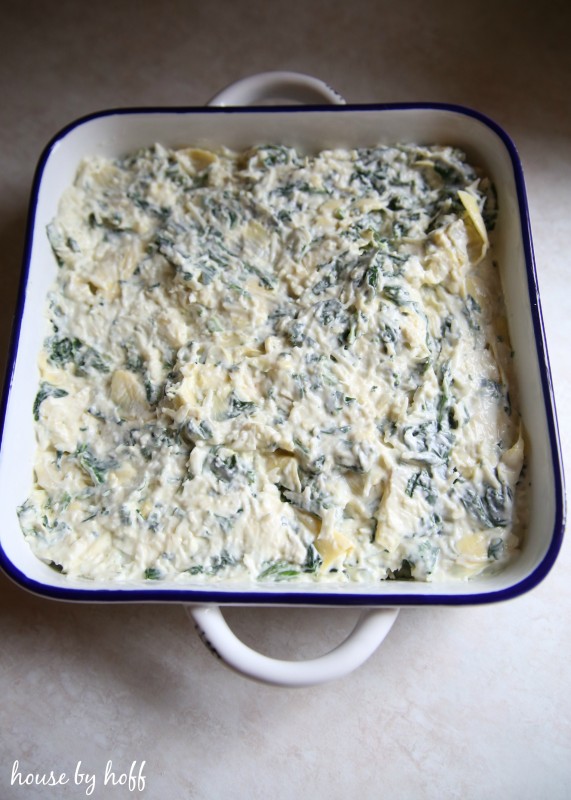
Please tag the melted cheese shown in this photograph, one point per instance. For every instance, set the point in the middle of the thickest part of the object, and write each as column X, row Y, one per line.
column 277, row 366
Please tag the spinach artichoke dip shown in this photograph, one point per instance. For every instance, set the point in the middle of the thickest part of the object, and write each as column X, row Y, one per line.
column 270, row 365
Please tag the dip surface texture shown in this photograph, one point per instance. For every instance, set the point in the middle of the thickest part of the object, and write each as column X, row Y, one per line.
column 275, row 366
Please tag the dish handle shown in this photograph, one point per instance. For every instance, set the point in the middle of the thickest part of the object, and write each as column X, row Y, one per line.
column 371, row 628
column 277, row 85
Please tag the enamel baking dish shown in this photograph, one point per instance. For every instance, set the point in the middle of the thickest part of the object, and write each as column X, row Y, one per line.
column 233, row 121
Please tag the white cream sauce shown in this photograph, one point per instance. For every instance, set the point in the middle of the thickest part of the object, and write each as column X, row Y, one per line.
column 275, row 365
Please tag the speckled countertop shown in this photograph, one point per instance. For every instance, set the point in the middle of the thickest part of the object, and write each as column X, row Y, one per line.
column 457, row 703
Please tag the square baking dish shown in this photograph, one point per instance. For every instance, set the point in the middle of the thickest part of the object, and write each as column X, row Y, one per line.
column 116, row 132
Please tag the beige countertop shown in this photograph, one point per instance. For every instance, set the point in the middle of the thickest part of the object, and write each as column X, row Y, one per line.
column 466, row 703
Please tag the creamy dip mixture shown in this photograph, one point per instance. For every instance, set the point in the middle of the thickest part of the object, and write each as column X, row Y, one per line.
column 276, row 366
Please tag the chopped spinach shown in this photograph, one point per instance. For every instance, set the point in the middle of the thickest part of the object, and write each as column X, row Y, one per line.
column 67, row 350
column 46, row 390
column 95, row 468
column 225, row 469
column 471, row 310
column 312, row 560
column 396, row 294
column 496, row 549
column 279, row 571
column 193, row 431
column 491, row 508
column 404, row 572
column 236, row 407
column 220, row 562
column 152, row 574
column 266, row 280
column 422, row 481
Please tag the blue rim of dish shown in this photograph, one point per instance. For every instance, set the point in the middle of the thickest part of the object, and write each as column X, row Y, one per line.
column 342, row 596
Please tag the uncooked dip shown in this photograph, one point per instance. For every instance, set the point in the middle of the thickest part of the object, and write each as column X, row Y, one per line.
column 276, row 365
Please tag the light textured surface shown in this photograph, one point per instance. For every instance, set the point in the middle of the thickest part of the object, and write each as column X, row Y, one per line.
column 457, row 703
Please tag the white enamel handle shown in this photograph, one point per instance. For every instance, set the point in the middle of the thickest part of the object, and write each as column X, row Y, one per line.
column 371, row 628
column 279, row 86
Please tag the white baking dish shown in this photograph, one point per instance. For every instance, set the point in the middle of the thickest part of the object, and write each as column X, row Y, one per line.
column 309, row 127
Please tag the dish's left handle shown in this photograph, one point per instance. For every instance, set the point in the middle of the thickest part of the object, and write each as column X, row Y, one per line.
column 277, row 86
column 371, row 628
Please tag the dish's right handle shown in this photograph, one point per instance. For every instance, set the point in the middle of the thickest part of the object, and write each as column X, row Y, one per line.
column 277, row 85
column 370, row 630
